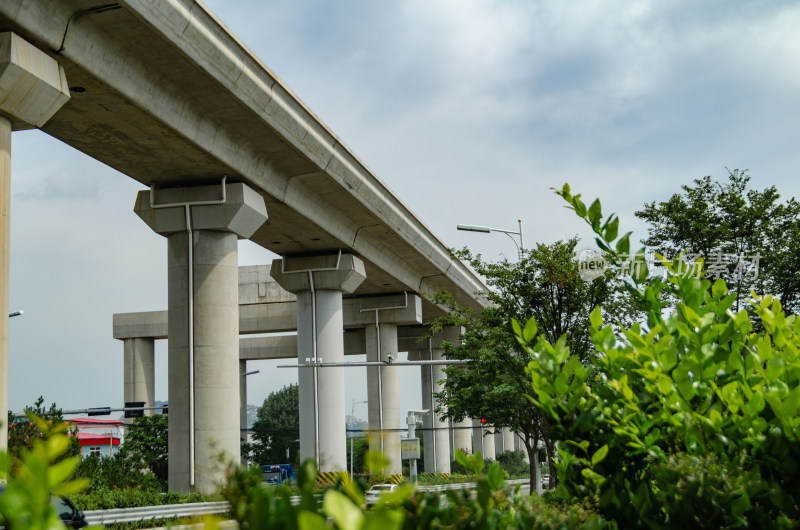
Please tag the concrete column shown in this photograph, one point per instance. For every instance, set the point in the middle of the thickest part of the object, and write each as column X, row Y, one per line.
column 477, row 436
column 508, row 439
column 243, row 406
column 429, row 447
column 203, row 322
column 462, row 435
column 33, row 87
column 483, row 439
column 384, row 396
column 139, row 372
column 5, row 251
column 215, row 359
column 437, row 452
column 498, row 441
column 519, row 444
column 488, row 443
column 318, row 282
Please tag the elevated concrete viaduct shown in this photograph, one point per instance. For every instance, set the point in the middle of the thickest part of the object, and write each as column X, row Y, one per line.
column 163, row 92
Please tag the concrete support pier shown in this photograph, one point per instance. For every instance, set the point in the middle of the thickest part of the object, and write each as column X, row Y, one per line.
column 5, row 252
column 33, row 87
column 483, row 439
column 508, row 439
column 383, row 394
column 438, row 451
column 462, row 435
column 202, row 225
column 381, row 316
column 318, row 282
column 139, row 372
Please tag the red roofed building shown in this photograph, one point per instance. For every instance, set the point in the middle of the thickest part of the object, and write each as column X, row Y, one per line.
column 97, row 436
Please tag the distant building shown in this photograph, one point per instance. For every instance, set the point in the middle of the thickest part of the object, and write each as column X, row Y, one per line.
column 96, row 436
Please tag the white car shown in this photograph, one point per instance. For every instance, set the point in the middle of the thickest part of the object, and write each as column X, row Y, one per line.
column 374, row 493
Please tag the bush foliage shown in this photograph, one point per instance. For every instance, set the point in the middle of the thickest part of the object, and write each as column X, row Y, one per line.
column 690, row 418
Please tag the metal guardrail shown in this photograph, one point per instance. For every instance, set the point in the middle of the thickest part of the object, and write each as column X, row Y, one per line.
column 154, row 513
column 466, row 485
column 174, row 511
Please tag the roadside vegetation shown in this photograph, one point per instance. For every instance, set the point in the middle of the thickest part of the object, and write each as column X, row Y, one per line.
column 687, row 417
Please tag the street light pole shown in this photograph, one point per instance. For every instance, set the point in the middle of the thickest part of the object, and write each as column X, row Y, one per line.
column 509, row 233
column 352, row 415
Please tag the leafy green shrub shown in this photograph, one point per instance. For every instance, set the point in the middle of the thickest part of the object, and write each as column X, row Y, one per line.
column 117, row 472
column 42, row 470
column 108, row 498
column 513, row 463
column 690, row 413
column 343, row 506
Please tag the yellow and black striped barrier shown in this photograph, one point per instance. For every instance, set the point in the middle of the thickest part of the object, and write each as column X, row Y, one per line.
column 394, row 479
column 330, row 477
column 444, row 476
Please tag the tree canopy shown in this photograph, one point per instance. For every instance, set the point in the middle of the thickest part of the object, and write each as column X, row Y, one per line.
column 277, row 427
column 544, row 284
column 22, row 432
column 146, row 445
column 749, row 238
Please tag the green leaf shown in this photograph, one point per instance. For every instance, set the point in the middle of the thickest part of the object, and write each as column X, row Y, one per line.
column 592, row 476
column 383, row 520
column 529, row 333
column 495, row 476
column 580, row 208
column 515, row 327
column 338, row 506
column 624, row 245
column 595, row 317
column 311, row 521
column 375, row 461
column 595, row 215
column 599, row 455
column 610, row 233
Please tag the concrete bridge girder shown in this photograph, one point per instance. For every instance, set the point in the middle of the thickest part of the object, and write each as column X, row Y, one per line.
column 167, row 95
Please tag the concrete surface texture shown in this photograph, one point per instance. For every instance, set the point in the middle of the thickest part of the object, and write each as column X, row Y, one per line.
column 202, row 225
column 508, row 439
column 462, row 435
column 139, row 372
column 318, row 283
column 166, row 94
column 383, row 395
column 483, row 439
column 5, row 248
column 32, row 88
column 170, row 96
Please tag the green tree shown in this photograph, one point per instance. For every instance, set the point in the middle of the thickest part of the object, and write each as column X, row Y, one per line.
column 721, row 221
column 697, row 420
column 544, row 284
column 146, row 446
column 22, row 432
column 277, row 427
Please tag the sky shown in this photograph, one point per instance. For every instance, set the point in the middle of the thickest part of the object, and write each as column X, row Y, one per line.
column 469, row 110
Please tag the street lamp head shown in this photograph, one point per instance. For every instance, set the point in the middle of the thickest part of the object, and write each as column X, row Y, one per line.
column 472, row 228
column 16, row 313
